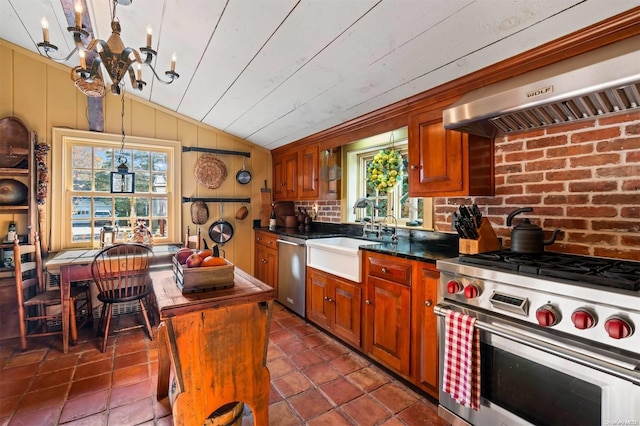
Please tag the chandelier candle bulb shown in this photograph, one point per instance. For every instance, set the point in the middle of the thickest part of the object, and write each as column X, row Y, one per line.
column 78, row 8
column 83, row 61
column 173, row 62
column 139, row 72
column 149, row 32
column 45, row 29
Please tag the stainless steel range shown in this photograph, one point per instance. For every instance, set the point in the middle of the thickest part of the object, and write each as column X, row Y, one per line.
column 560, row 337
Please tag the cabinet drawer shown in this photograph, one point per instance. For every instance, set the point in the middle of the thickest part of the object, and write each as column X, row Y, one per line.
column 267, row 239
column 390, row 269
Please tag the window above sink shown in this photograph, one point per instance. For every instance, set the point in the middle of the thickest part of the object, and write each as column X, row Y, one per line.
column 358, row 156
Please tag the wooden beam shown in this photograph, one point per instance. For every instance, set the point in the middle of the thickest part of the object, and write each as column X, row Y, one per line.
column 96, row 110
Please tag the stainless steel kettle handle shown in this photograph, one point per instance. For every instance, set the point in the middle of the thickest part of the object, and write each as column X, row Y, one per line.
column 517, row 211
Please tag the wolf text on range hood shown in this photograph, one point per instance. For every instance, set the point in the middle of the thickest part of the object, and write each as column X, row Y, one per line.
column 597, row 83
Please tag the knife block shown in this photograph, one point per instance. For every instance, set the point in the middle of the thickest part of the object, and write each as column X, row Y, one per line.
column 487, row 240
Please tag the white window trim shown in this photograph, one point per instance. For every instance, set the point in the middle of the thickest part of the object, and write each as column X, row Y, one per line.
column 60, row 192
column 353, row 189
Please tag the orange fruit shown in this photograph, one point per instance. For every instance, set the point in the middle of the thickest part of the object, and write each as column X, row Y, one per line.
column 213, row 261
column 205, row 253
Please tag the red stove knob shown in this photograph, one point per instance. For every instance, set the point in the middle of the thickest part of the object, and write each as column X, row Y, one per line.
column 583, row 319
column 453, row 287
column 471, row 291
column 547, row 316
column 617, row 328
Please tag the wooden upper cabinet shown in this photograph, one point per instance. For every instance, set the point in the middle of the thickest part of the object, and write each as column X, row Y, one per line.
column 446, row 162
column 308, row 173
column 285, row 176
column 296, row 174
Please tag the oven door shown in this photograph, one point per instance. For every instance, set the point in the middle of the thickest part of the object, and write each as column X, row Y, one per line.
column 530, row 378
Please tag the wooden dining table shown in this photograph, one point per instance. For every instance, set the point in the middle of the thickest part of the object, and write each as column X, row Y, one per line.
column 75, row 266
column 72, row 266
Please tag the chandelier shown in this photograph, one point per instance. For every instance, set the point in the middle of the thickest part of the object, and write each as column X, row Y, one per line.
column 111, row 56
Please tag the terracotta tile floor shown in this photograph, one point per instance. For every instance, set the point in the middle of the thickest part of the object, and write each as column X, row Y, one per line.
column 315, row 380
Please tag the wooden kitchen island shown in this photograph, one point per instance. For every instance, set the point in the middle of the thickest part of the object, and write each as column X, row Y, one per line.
column 212, row 347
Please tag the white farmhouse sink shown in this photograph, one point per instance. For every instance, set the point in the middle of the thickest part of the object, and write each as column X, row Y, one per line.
column 338, row 256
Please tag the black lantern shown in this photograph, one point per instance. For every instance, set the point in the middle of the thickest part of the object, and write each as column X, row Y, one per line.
column 122, row 182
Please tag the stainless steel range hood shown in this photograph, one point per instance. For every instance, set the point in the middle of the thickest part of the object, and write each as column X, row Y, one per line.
column 594, row 84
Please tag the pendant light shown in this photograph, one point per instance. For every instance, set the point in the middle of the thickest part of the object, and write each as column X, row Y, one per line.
column 122, row 181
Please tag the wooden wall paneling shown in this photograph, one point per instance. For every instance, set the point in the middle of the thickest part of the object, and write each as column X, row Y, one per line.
column 82, row 103
column 112, row 111
column 166, row 126
column 61, row 98
column 6, row 81
column 30, row 83
column 143, row 119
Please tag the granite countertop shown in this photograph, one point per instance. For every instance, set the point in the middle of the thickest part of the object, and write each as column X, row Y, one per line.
column 426, row 246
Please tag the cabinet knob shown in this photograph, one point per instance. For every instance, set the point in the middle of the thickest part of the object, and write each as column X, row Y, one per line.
column 414, row 167
column 368, row 302
column 258, row 239
column 384, row 270
column 264, row 260
column 428, row 303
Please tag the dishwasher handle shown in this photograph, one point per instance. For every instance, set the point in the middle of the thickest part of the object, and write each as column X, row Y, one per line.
column 290, row 243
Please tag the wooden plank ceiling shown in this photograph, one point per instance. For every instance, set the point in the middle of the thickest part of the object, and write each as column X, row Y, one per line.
column 275, row 71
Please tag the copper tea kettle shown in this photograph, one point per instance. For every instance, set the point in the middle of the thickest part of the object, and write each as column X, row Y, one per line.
column 528, row 237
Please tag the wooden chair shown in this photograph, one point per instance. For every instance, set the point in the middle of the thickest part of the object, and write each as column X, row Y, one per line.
column 36, row 305
column 121, row 274
column 192, row 241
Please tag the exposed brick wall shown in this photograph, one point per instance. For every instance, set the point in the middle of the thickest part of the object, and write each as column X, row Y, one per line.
column 583, row 178
column 328, row 210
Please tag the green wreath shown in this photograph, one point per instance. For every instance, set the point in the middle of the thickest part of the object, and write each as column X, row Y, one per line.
column 385, row 170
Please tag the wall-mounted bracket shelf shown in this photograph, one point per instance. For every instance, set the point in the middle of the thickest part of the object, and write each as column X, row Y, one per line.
column 216, row 200
column 215, row 151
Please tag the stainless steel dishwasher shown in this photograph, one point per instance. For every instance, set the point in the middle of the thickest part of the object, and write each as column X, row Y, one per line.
column 292, row 263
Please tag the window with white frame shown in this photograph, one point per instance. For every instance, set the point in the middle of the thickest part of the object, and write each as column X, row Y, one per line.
column 407, row 210
column 86, row 204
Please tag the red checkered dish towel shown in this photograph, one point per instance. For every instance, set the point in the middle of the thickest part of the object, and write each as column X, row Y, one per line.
column 462, row 359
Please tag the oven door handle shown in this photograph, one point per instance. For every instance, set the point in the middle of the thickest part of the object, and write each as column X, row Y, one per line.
column 622, row 366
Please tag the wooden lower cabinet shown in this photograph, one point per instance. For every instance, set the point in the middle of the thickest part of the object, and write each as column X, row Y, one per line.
column 393, row 305
column 425, row 350
column 266, row 258
column 387, row 311
column 334, row 304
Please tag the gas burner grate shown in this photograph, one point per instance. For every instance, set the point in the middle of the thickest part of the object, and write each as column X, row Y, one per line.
column 583, row 269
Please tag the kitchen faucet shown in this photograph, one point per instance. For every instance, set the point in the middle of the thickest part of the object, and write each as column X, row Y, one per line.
column 363, row 203
column 394, row 234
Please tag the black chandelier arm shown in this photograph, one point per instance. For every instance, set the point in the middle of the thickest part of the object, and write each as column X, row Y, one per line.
column 135, row 83
column 78, row 34
column 48, row 47
column 172, row 75
column 149, row 54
